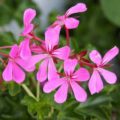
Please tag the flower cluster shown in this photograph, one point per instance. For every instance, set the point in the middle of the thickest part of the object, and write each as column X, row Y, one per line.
column 33, row 50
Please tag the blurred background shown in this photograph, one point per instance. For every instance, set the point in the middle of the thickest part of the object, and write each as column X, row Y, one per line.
column 99, row 29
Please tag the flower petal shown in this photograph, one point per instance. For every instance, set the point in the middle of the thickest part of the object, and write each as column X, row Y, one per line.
column 25, row 51
column 14, row 51
column 78, row 8
column 35, row 59
column 71, row 23
column 53, row 84
column 110, row 77
column 18, row 74
column 52, row 37
column 69, row 65
column 95, row 83
column 95, row 57
column 27, row 29
column 62, row 53
column 24, row 64
column 61, row 94
column 7, row 73
column 79, row 92
column 28, row 16
column 42, row 72
column 110, row 55
column 52, row 71
column 81, row 75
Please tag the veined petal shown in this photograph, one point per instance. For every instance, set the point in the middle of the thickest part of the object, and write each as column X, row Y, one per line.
column 95, row 57
column 95, row 83
column 62, row 53
column 71, row 23
column 7, row 73
column 78, row 8
column 28, row 16
column 52, row 37
column 81, row 74
column 110, row 55
column 110, row 77
column 25, row 51
column 69, row 65
column 52, row 71
column 18, row 74
column 61, row 94
column 53, row 84
column 42, row 72
column 79, row 92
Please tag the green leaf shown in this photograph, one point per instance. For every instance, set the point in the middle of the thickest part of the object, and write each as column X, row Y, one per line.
column 111, row 10
column 98, row 107
column 39, row 109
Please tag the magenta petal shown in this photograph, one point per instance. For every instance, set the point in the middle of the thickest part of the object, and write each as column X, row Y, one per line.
column 110, row 55
column 95, row 57
column 37, row 49
column 42, row 72
column 35, row 59
column 110, row 77
column 52, row 71
column 24, row 64
column 79, row 92
column 14, row 51
column 71, row 23
column 27, row 29
column 7, row 73
column 61, row 94
column 78, row 8
column 52, row 37
column 53, row 84
column 25, row 51
column 81, row 75
column 95, row 83
column 18, row 74
column 62, row 53
column 28, row 16
column 69, row 65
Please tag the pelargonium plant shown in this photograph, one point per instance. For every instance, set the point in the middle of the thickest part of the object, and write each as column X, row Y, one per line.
column 60, row 69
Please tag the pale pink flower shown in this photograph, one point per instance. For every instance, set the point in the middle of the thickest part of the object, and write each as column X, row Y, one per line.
column 13, row 70
column 70, row 81
column 28, row 17
column 47, row 56
column 95, row 82
column 69, row 22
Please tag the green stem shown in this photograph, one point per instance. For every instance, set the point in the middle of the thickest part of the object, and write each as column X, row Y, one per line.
column 28, row 91
column 60, row 68
column 38, row 90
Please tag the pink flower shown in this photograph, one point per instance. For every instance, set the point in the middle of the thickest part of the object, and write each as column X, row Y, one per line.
column 70, row 80
column 13, row 70
column 70, row 22
column 28, row 16
column 50, row 51
column 95, row 82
